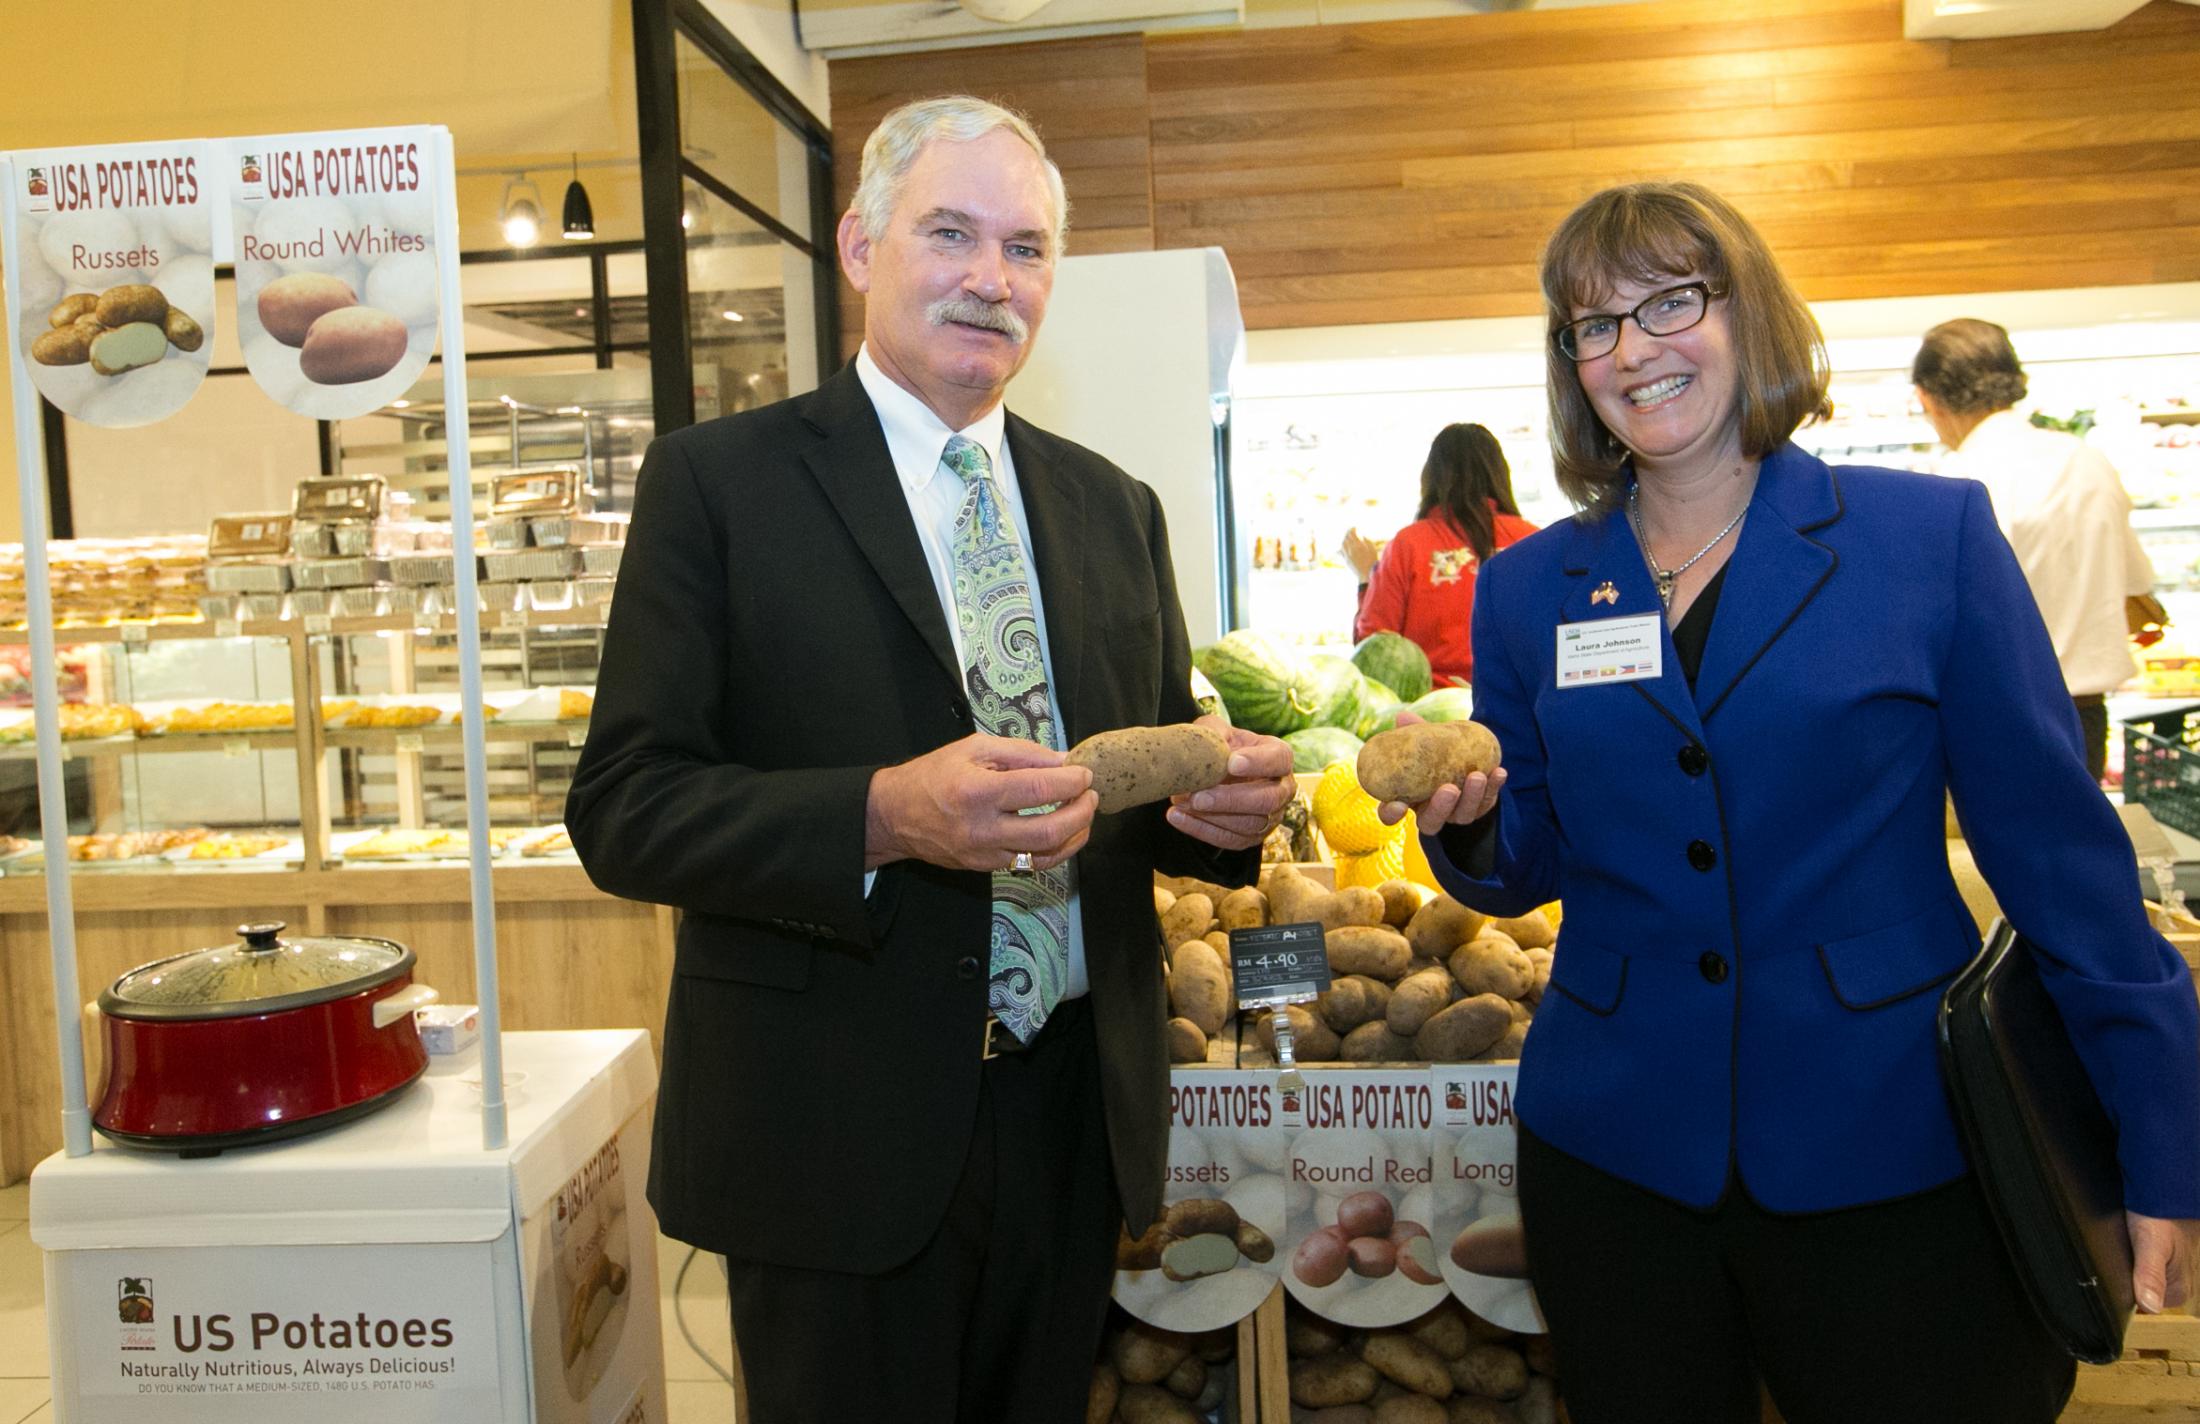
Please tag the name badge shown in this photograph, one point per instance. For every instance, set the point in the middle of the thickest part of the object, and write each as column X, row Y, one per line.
column 1606, row 650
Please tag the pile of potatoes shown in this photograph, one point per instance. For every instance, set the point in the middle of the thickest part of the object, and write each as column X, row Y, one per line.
column 1448, row 1367
column 1147, row 1375
column 1416, row 977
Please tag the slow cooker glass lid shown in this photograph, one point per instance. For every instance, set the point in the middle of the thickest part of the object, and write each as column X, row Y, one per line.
column 263, row 964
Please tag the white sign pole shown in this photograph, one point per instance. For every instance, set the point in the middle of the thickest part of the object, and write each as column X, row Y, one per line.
column 455, row 435
column 53, row 799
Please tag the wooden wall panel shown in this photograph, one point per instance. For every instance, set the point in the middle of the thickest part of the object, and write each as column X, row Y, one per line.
column 1876, row 165
column 1087, row 98
column 1411, row 171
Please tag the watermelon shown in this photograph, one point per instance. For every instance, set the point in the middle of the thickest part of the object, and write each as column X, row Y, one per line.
column 1445, row 704
column 1336, row 685
column 1267, row 687
column 1378, row 708
column 1396, row 661
column 1316, row 747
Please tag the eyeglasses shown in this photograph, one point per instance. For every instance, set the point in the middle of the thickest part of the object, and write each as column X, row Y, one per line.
column 1666, row 313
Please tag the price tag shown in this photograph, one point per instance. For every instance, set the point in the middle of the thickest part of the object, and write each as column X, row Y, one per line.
column 1279, row 964
column 228, row 628
column 410, row 741
column 512, row 618
column 136, row 633
column 319, row 623
column 236, row 747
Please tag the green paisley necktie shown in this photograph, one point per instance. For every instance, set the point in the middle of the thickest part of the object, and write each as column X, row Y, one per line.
column 1007, row 682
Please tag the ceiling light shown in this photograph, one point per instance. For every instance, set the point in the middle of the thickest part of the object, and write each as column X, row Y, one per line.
column 522, row 212
column 399, row 404
column 731, row 315
column 580, row 219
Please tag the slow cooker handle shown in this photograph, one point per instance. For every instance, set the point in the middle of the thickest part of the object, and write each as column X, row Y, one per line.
column 401, row 1004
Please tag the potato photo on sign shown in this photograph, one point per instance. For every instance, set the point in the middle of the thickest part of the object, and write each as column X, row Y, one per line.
column 114, row 307
column 335, row 320
column 1214, row 1255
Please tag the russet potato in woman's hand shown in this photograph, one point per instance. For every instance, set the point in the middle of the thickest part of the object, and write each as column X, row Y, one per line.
column 1409, row 763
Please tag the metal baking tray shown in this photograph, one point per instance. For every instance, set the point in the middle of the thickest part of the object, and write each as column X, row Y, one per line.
column 506, row 533
column 311, row 602
column 501, row 597
column 214, row 607
column 425, row 568
column 505, row 565
column 260, row 607
column 311, row 541
column 340, row 573
column 356, row 602
column 357, row 540
column 247, row 578
column 555, row 530
column 549, row 595
column 601, row 558
column 593, row 592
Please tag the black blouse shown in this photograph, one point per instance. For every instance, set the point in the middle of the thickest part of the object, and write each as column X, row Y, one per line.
column 1694, row 629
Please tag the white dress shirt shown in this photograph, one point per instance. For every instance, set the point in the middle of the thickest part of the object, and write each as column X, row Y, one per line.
column 2066, row 514
column 916, row 438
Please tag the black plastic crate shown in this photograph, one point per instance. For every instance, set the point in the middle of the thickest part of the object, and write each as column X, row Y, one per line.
column 2162, row 766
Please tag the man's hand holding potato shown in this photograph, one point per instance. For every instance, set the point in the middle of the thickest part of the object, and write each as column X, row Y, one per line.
column 1240, row 811
column 962, row 806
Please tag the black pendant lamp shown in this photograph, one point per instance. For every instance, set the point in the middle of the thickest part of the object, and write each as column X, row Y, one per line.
column 580, row 219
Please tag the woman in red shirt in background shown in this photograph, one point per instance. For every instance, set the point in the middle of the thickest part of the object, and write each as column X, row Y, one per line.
column 1423, row 586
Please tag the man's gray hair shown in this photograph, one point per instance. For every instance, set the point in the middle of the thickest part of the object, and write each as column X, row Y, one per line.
column 892, row 149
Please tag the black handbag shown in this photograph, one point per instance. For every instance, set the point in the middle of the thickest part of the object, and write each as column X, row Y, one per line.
column 2041, row 1144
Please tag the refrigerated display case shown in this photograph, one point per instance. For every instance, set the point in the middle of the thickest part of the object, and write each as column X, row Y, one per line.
column 1331, row 426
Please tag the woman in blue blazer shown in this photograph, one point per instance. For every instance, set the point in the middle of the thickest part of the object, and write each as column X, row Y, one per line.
column 1733, row 694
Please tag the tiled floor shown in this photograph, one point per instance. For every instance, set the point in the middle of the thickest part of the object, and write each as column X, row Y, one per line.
column 697, row 1394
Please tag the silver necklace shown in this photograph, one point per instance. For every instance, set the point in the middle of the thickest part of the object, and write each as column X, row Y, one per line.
column 1666, row 578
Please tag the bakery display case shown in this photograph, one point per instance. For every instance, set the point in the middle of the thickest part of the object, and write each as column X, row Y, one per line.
column 263, row 723
column 289, row 699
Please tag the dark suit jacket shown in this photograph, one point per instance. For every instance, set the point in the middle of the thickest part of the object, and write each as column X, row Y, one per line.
column 774, row 640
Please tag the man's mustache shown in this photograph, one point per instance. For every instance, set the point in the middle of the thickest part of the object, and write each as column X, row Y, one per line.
column 969, row 311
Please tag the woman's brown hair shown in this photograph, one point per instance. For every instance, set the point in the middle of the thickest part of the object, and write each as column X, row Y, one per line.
column 1465, row 474
column 1648, row 232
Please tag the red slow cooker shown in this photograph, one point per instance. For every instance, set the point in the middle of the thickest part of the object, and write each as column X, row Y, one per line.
column 256, row 1041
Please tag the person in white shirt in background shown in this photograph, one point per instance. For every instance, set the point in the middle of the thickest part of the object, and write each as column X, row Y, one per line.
column 2057, row 499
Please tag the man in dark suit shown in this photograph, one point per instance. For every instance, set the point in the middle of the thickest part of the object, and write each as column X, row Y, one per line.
column 913, row 1068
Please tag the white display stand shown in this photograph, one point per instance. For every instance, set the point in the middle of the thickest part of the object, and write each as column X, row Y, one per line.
column 386, row 1270
column 480, row 1248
